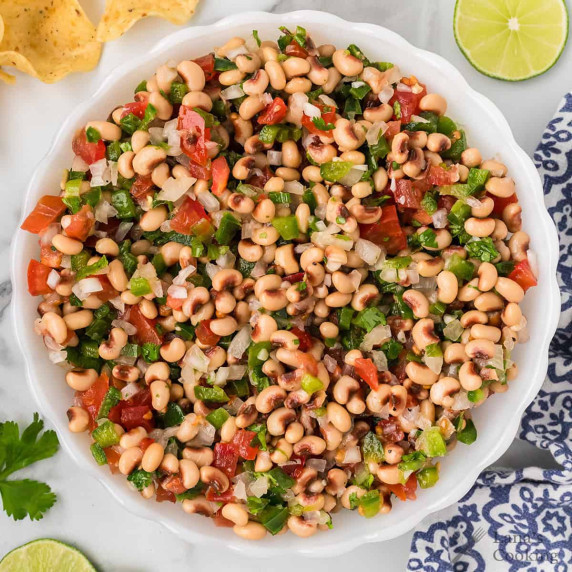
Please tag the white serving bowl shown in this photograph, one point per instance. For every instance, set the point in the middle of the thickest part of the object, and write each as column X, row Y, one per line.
column 497, row 421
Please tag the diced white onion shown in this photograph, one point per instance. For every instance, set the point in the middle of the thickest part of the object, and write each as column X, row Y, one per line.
column 435, row 364
column 259, row 487
column 300, row 248
column 118, row 304
column 130, row 390
column 221, row 376
column 173, row 189
column 259, row 269
column 373, row 133
column 59, row 356
column 375, row 337
column 274, row 157
column 197, row 359
column 226, row 260
column 403, row 88
column 205, row 437
column 393, row 75
column 533, row 262
column 113, row 172
column 178, row 292
column 473, row 202
column 294, row 187
column 440, row 218
column 379, row 360
column 127, row 327
column 453, row 330
column 414, row 416
column 209, row 201
column 461, row 401
column 240, row 342
column 497, row 361
column 49, row 233
column 311, row 110
column 66, row 261
column 328, row 100
column 234, row 405
column 232, row 92
column 393, row 184
column 231, row 54
column 419, row 119
column 156, row 135
column 351, row 456
column 78, row 164
column 386, row 94
column 236, row 372
column 330, row 363
column 104, row 211
column 53, row 279
column 122, row 230
column 239, row 491
column 85, row 287
column 211, row 269
column 355, row 174
column 324, row 239
column 318, row 464
column 184, row 273
column 367, row 251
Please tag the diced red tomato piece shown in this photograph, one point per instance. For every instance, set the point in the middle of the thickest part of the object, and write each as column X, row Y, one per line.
column 294, row 278
column 81, row 223
column 175, row 303
column 502, row 202
column 259, row 178
column 50, row 256
column 295, row 470
column 304, row 337
column 407, row 491
column 274, row 112
column 190, row 119
column 207, row 64
column 406, row 196
column 366, row 369
column 393, row 128
column 38, row 278
column 193, row 136
column 328, row 116
column 189, row 214
column 226, row 458
column 200, row 172
column 422, row 217
column 113, row 456
column 46, row 211
column 89, row 152
column 221, row 172
column 108, row 292
column 422, row 185
column 440, row 176
column 141, row 189
column 163, row 495
column 205, row 335
column 146, row 331
column 173, row 484
column 146, row 443
column 523, row 275
column 446, row 202
column 409, row 103
column 213, row 496
column 390, row 429
column 241, row 441
column 295, row 49
column 137, row 108
column 91, row 399
column 387, row 232
column 137, row 416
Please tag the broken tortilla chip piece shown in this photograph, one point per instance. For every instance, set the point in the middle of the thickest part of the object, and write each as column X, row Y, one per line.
column 47, row 39
column 120, row 15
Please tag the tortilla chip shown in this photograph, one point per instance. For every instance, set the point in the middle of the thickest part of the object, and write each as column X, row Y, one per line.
column 47, row 39
column 120, row 15
column 6, row 77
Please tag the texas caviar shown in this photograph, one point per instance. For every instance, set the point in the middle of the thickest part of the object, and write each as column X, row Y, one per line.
column 279, row 281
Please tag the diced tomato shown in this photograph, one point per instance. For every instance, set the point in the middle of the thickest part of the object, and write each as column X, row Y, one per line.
column 389, row 430
column 108, row 292
column 295, row 470
column 387, row 232
column 137, row 416
column 146, row 443
column 38, row 278
column 189, row 214
column 213, row 496
column 294, row 278
column 259, row 178
column 226, row 458
column 241, row 441
column 141, row 189
column 406, row 196
column 205, row 335
column 190, row 119
column 207, row 64
column 136, row 107
column 89, row 152
column 304, row 337
column 91, row 399
column 199, row 172
column 175, row 303
column 46, row 211
column 407, row 491
column 221, row 172
column 422, row 217
column 422, row 185
column 366, row 369
column 173, row 484
column 307, row 362
column 113, row 457
column 440, row 176
column 295, row 49
column 409, row 103
column 146, row 331
column 523, row 275
column 164, row 495
column 50, row 256
column 193, row 135
column 220, row 521
column 81, row 223
column 328, row 116
column 393, row 128
column 446, row 202
column 274, row 112
column 502, row 202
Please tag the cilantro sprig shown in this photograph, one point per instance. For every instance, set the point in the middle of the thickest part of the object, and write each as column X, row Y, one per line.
column 26, row 497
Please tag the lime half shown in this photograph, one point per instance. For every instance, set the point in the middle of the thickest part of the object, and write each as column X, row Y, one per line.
column 511, row 39
column 45, row 555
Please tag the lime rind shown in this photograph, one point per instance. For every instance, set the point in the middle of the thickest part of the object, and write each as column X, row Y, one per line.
column 490, row 25
column 46, row 555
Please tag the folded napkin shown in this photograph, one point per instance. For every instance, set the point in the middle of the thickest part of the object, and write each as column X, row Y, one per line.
column 522, row 520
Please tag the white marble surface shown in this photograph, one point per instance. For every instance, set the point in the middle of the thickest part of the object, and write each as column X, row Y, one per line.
column 30, row 114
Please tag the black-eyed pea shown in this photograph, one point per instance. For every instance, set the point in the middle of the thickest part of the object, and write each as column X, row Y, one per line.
column 389, row 474
column 471, row 157
column 129, row 460
column 67, row 245
column 468, row 376
column 215, row 478
column 265, row 236
column 496, row 168
column 511, row 215
column 295, row 67
column 302, row 528
column 488, row 302
column 351, row 490
column 473, row 317
column 339, row 417
column 192, row 74
column 160, row 394
column 347, row 64
column 480, row 227
column 153, row 219
column 147, row 159
column 433, row 102
column 201, row 456
column 512, row 314
column 78, row 419
column 500, row 232
column 236, row 513
column 79, row 320
column 500, row 187
column 228, row 430
column 438, row 142
column 348, row 136
column 482, row 331
column 329, row 330
column 484, row 209
column 509, row 290
column 198, row 99
column 162, row 105
column 132, row 438
column 250, row 531
column 298, row 85
column 334, row 78
column 108, row 131
column 518, row 245
column 482, row 348
column 294, row 432
column 433, row 158
column 423, row 333
column 111, row 349
column 189, row 428
column 125, row 164
column 470, row 291
column 198, row 505
column 418, row 302
column 338, row 300
column 383, row 112
column 282, row 451
column 430, row 267
column 174, row 350
column 250, row 251
column 441, row 392
column 393, row 453
column 420, row 374
column 264, row 328
column 366, row 295
column 170, row 252
column 81, row 380
column 310, row 445
column 152, row 457
column 427, row 409
column 488, row 276
column 447, row 287
column 157, row 371
column 311, row 174
column 276, row 74
column 512, row 372
column 400, row 148
column 225, row 302
column 284, row 257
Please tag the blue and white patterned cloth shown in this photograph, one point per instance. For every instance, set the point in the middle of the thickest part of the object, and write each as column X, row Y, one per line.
column 522, row 520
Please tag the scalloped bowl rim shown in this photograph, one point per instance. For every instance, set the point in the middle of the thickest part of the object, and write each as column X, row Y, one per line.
column 360, row 532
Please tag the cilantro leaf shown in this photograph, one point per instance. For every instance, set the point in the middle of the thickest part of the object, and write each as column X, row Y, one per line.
column 26, row 497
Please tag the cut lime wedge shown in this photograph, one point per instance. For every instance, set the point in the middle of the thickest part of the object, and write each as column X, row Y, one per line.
column 511, row 39
column 45, row 555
